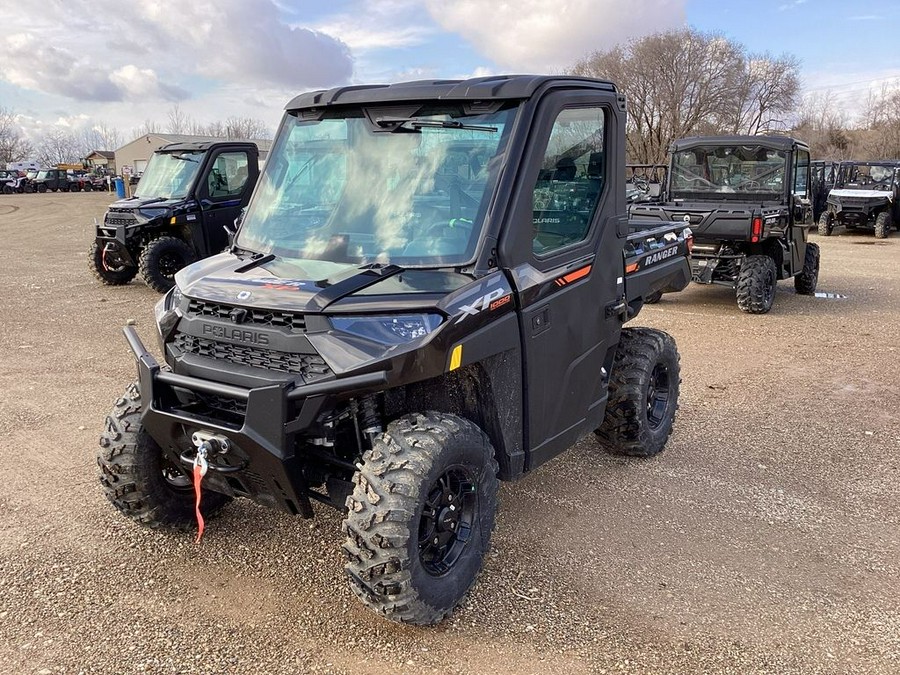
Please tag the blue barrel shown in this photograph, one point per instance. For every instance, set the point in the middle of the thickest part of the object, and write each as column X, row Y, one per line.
column 120, row 188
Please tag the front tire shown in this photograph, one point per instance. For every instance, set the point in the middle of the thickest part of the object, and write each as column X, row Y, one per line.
column 108, row 276
column 161, row 259
column 643, row 394
column 138, row 480
column 826, row 224
column 883, row 225
column 805, row 283
column 420, row 518
column 756, row 284
column 653, row 298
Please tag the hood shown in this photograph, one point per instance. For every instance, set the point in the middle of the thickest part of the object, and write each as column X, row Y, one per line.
column 139, row 202
column 309, row 286
column 861, row 194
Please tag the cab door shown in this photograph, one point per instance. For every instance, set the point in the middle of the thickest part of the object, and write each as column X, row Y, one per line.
column 224, row 191
column 570, row 287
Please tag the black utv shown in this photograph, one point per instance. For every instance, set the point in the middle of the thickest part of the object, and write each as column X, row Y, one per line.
column 426, row 294
column 742, row 197
column 185, row 203
column 822, row 175
column 53, row 180
column 865, row 195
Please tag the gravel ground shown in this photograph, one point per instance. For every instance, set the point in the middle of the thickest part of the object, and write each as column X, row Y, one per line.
column 764, row 540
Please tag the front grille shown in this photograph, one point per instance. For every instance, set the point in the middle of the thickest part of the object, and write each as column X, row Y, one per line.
column 258, row 317
column 222, row 403
column 311, row 367
column 119, row 219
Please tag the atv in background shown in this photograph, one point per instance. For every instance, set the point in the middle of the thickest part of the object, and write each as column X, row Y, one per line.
column 742, row 196
column 426, row 294
column 822, row 175
column 865, row 195
column 53, row 180
column 645, row 182
column 187, row 199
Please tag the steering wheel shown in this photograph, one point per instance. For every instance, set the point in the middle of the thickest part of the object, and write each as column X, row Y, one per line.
column 749, row 184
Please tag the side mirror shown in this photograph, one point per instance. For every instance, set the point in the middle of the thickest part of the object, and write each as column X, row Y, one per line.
column 232, row 230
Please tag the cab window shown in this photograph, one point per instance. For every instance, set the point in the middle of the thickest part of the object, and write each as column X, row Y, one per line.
column 570, row 181
column 228, row 175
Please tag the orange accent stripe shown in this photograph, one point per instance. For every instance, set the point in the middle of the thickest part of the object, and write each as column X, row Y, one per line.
column 577, row 274
column 633, row 267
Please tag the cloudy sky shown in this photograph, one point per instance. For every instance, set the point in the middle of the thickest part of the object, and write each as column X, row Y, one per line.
column 79, row 62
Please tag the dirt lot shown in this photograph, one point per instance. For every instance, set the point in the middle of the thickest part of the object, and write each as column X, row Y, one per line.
column 765, row 538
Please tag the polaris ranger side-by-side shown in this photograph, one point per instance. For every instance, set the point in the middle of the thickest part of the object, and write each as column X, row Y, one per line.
column 184, row 204
column 425, row 295
column 742, row 197
column 865, row 195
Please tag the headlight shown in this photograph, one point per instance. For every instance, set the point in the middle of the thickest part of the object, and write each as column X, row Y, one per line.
column 388, row 330
column 152, row 213
column 165, row 314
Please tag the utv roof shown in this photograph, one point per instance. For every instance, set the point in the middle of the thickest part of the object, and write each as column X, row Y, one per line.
column 493, row 88
column 201, row 146
column 774, row 142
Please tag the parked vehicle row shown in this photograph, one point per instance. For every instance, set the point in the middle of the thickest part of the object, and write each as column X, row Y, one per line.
column 50, row 180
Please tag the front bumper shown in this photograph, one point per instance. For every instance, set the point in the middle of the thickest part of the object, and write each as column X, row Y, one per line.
column 262, row 462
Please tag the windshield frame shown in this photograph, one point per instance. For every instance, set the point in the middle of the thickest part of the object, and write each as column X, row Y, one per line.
column 722, row 190
column 159, row 163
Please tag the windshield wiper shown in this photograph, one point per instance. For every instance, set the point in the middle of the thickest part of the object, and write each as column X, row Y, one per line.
column 184, row 159
column 417, row 123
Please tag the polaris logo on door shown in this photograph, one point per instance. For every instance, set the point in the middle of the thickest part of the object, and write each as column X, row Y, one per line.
column 660, row 255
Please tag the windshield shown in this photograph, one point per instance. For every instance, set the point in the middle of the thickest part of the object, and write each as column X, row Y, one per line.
column 352, row 189
column 724, row 170
column 867, row 176
column 44, row 174
column 169, row 175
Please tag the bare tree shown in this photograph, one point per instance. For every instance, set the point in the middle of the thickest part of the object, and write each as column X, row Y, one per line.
column 245, row 128
column 148, row 127
column 686, row 82
column 179, row 121
column 14, row 146
column 59, row 146
column 767, row 93
column 822, row 124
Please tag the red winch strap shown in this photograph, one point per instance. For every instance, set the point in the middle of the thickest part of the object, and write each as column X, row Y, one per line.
column 200, row 468
column 198, row 476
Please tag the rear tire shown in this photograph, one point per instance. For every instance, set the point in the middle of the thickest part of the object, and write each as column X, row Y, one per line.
column 883, row 225
column 805, row 283
column 74, row 187
column 756, row 284
column 826, row 224
column 138, row 480
column 420, row 518
column 643, row 394
column 41, row 188
column 161, row 259
column 109, row 277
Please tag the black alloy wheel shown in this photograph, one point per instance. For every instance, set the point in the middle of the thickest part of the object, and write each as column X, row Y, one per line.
column 658, row 393
column 448, row 517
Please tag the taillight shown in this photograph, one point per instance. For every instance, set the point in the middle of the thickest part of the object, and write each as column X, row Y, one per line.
column 688, row 239
column 756, row 229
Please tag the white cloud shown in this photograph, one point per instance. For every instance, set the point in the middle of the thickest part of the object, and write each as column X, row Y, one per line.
column 246, row 41
column 150, row 50
column 541, row 36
